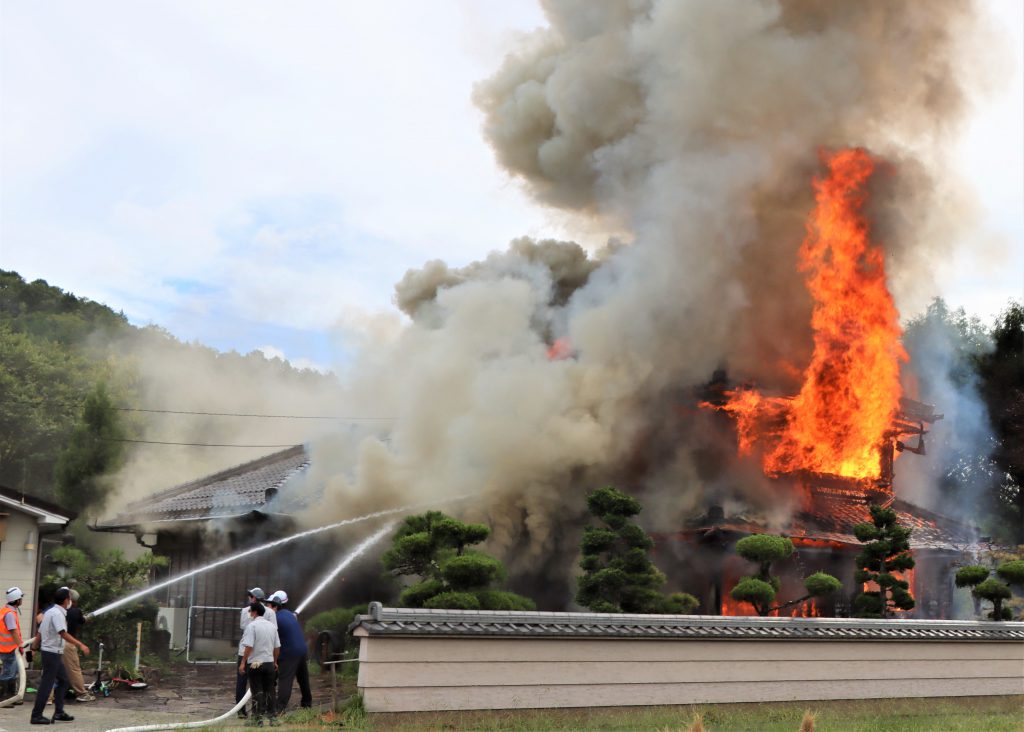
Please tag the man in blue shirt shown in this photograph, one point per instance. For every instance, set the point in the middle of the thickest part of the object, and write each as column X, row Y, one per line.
column 292, row 663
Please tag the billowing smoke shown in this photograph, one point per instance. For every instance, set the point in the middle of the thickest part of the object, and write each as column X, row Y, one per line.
column 182, row 378
column 696, row 128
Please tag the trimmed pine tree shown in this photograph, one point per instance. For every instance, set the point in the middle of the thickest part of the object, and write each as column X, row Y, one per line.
column 618, row 574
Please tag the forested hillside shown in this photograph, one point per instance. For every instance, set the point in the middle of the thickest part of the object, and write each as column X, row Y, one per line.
column 70, row 369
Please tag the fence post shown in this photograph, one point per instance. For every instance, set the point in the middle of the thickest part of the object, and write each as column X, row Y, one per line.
column 138, row 646
column 334, row 688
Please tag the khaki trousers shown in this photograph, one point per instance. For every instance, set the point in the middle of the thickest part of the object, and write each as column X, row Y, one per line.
column 74, row 669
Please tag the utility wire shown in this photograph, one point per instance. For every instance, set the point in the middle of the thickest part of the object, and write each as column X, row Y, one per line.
column 224, row 414
column 262, row 416
column 191, row 444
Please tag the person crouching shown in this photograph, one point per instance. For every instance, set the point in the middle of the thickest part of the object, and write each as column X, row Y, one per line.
column 261, row 647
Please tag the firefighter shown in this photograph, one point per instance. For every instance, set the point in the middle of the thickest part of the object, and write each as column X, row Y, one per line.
column 293, row 654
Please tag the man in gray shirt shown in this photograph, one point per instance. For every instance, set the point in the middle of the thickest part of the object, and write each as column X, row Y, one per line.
column 53, row 634
column 260, row 649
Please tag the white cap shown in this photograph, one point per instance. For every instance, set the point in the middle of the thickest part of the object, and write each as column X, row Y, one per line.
column 14, row 594
column 280, row 597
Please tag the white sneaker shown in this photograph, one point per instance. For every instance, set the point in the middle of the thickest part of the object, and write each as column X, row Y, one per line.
column 85, row 698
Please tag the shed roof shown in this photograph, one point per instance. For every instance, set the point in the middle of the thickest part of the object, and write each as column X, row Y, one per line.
column 232, row 492
column 483, row 623
column 43, row 511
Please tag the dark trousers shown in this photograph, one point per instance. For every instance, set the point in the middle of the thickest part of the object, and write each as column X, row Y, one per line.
column 53, row 672
column 289, row 669
column 261, row 681
column 241, row 683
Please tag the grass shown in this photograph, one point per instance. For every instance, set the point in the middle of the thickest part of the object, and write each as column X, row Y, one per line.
column 976, row 714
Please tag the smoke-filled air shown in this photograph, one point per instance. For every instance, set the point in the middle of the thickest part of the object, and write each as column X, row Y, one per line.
column 691, row 133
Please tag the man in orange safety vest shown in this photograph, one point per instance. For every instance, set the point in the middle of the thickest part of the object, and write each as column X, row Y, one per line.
column 10, row 643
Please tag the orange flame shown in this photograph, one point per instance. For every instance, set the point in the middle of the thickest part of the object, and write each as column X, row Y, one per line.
column 851, row 387
column 560, row 350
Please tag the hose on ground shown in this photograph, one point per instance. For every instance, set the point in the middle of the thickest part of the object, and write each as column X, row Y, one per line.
column 22, row 682
column 189, row 725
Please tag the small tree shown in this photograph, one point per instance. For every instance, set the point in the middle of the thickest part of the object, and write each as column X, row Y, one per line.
column 761, row 589
column 996, row 591
column 887, row 550
column 619, row 576
column 102, row 579
column 435, row 548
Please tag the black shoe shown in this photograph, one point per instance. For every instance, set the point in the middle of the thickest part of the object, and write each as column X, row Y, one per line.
column 40, row 720
column 63, row 717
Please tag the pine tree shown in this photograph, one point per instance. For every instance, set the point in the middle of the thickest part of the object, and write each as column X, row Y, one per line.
column 887, row 550
column 93, row 452
column 619, row 576
column 435, row 548
column 996, row 591
column 760, row 590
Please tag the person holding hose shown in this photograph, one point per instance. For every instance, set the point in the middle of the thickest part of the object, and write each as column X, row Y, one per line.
column 261, row 648
column 293, row 654
column 76, row 620
column 10, row 644
column 53, row 635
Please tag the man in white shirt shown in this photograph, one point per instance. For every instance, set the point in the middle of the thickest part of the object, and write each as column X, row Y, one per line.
column 254, row 595
column 53, row 634
column 261, row 647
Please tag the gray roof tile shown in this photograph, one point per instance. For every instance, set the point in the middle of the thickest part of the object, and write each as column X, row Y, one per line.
column 240, row 489
column 473, row 623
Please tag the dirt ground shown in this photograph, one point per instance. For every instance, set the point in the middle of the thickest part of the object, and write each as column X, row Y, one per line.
column 183, row 693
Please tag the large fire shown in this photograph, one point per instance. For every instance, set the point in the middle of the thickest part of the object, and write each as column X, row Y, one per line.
column 851, row 387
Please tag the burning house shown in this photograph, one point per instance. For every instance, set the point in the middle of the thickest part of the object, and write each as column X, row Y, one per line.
column 831, row 450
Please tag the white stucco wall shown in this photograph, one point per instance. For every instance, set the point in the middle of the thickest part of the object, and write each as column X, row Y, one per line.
column 18, row 565
column 419, row 673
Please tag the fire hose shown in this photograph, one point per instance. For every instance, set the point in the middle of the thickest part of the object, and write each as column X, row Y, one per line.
column 346, row 561
column 22, row 678
column 188, row 725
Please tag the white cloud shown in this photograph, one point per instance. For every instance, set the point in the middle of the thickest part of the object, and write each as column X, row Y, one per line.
column 154, row 131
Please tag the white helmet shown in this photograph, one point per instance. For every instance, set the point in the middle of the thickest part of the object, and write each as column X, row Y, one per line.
column 280, row 597
column 14, row 594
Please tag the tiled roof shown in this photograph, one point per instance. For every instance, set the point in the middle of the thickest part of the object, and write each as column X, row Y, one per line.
column 482, row 623
column 831, row 518
column 234, row 491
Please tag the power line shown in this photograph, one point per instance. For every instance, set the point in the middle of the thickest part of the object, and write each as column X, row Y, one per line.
column 192, row 444
column 261, row 416
column 221, row 414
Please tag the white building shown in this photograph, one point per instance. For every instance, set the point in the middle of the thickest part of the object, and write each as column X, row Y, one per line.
column 25, row 524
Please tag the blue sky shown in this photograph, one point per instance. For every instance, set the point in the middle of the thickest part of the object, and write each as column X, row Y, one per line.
column 259, row 175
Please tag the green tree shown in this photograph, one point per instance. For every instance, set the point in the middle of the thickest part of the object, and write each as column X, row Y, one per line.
column 618, row 574
column 434, row 548
column 887, row 550
column 103, row 578
column 760, row 590
column 1001, row 373
column 92, row 453
column 993, row 589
